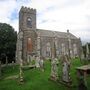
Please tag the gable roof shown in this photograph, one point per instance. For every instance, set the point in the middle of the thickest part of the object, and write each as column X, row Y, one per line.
column 48, row 33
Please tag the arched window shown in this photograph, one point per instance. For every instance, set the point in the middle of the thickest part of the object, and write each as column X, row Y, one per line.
column 63, row 48
column 29, row 45
column 48, row 50
column 29, row 22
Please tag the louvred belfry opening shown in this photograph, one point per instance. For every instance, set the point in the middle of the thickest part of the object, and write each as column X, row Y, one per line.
column 29, row 45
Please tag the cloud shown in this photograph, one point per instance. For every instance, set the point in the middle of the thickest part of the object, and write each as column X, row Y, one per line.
column 9, row 11
column 58, row 15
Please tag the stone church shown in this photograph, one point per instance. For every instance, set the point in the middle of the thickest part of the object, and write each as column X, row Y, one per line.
column 48, row 44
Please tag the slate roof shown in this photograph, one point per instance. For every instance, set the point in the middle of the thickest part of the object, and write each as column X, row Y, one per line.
column 48, row 33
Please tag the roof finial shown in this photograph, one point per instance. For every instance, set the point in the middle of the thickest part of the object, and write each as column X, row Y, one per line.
column 67, row 30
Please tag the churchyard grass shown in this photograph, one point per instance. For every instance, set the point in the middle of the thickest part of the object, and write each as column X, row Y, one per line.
column 35, row 79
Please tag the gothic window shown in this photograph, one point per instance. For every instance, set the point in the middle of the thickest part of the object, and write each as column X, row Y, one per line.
column 63, row 48
column 48, row 49
column 59, row 50
column 29, row 22
column 29, row 45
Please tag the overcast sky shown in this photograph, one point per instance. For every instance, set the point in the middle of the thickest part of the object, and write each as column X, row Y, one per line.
column 56, row 15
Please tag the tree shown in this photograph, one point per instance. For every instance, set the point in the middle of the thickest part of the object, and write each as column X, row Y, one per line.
column 8, row 38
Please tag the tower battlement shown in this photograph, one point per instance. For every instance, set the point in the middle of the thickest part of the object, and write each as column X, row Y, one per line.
column 28, row 10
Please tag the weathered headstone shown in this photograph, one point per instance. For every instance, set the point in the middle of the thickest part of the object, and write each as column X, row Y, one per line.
column 66, row 69
column 54, row 69
column 82, row 73
column 21, row 71
column 87, row 51
column 29, row 59
column 37, row 62
column 41, row 64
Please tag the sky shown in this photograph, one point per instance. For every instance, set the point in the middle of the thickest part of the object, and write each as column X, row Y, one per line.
column 55, row 15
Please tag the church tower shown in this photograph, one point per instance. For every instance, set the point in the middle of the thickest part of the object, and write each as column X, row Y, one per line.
column 27, row 19
column 27, row 25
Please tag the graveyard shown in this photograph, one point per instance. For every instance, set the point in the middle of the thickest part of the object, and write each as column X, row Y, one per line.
column 40, row 59
column 34, row 78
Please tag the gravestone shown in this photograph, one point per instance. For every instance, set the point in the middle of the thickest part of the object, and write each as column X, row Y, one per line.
column 66, row 69
column 21, row 72
column 54, row 69
column 19, row 46
column 29, row 59
column 37, row 64
column 41, row 64
column 82, row 74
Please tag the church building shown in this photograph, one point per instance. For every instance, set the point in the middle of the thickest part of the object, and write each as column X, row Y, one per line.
column 43, row 43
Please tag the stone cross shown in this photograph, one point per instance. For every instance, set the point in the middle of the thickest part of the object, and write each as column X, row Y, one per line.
column 21, row 71
column 19, row 46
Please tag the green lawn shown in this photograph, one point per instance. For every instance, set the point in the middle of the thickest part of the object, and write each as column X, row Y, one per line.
column 34, row 79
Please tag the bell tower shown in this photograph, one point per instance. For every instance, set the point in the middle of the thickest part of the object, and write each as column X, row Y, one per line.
column 27, row 25
column 27, row 19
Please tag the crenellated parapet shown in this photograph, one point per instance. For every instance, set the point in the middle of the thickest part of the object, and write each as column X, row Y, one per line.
column 27, row 10
column 27, row 19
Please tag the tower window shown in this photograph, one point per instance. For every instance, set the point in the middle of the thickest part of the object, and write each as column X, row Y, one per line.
column 29, row 22
column 29, row 45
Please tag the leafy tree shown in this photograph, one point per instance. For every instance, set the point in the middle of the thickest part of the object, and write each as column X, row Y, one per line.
column 8, row 39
